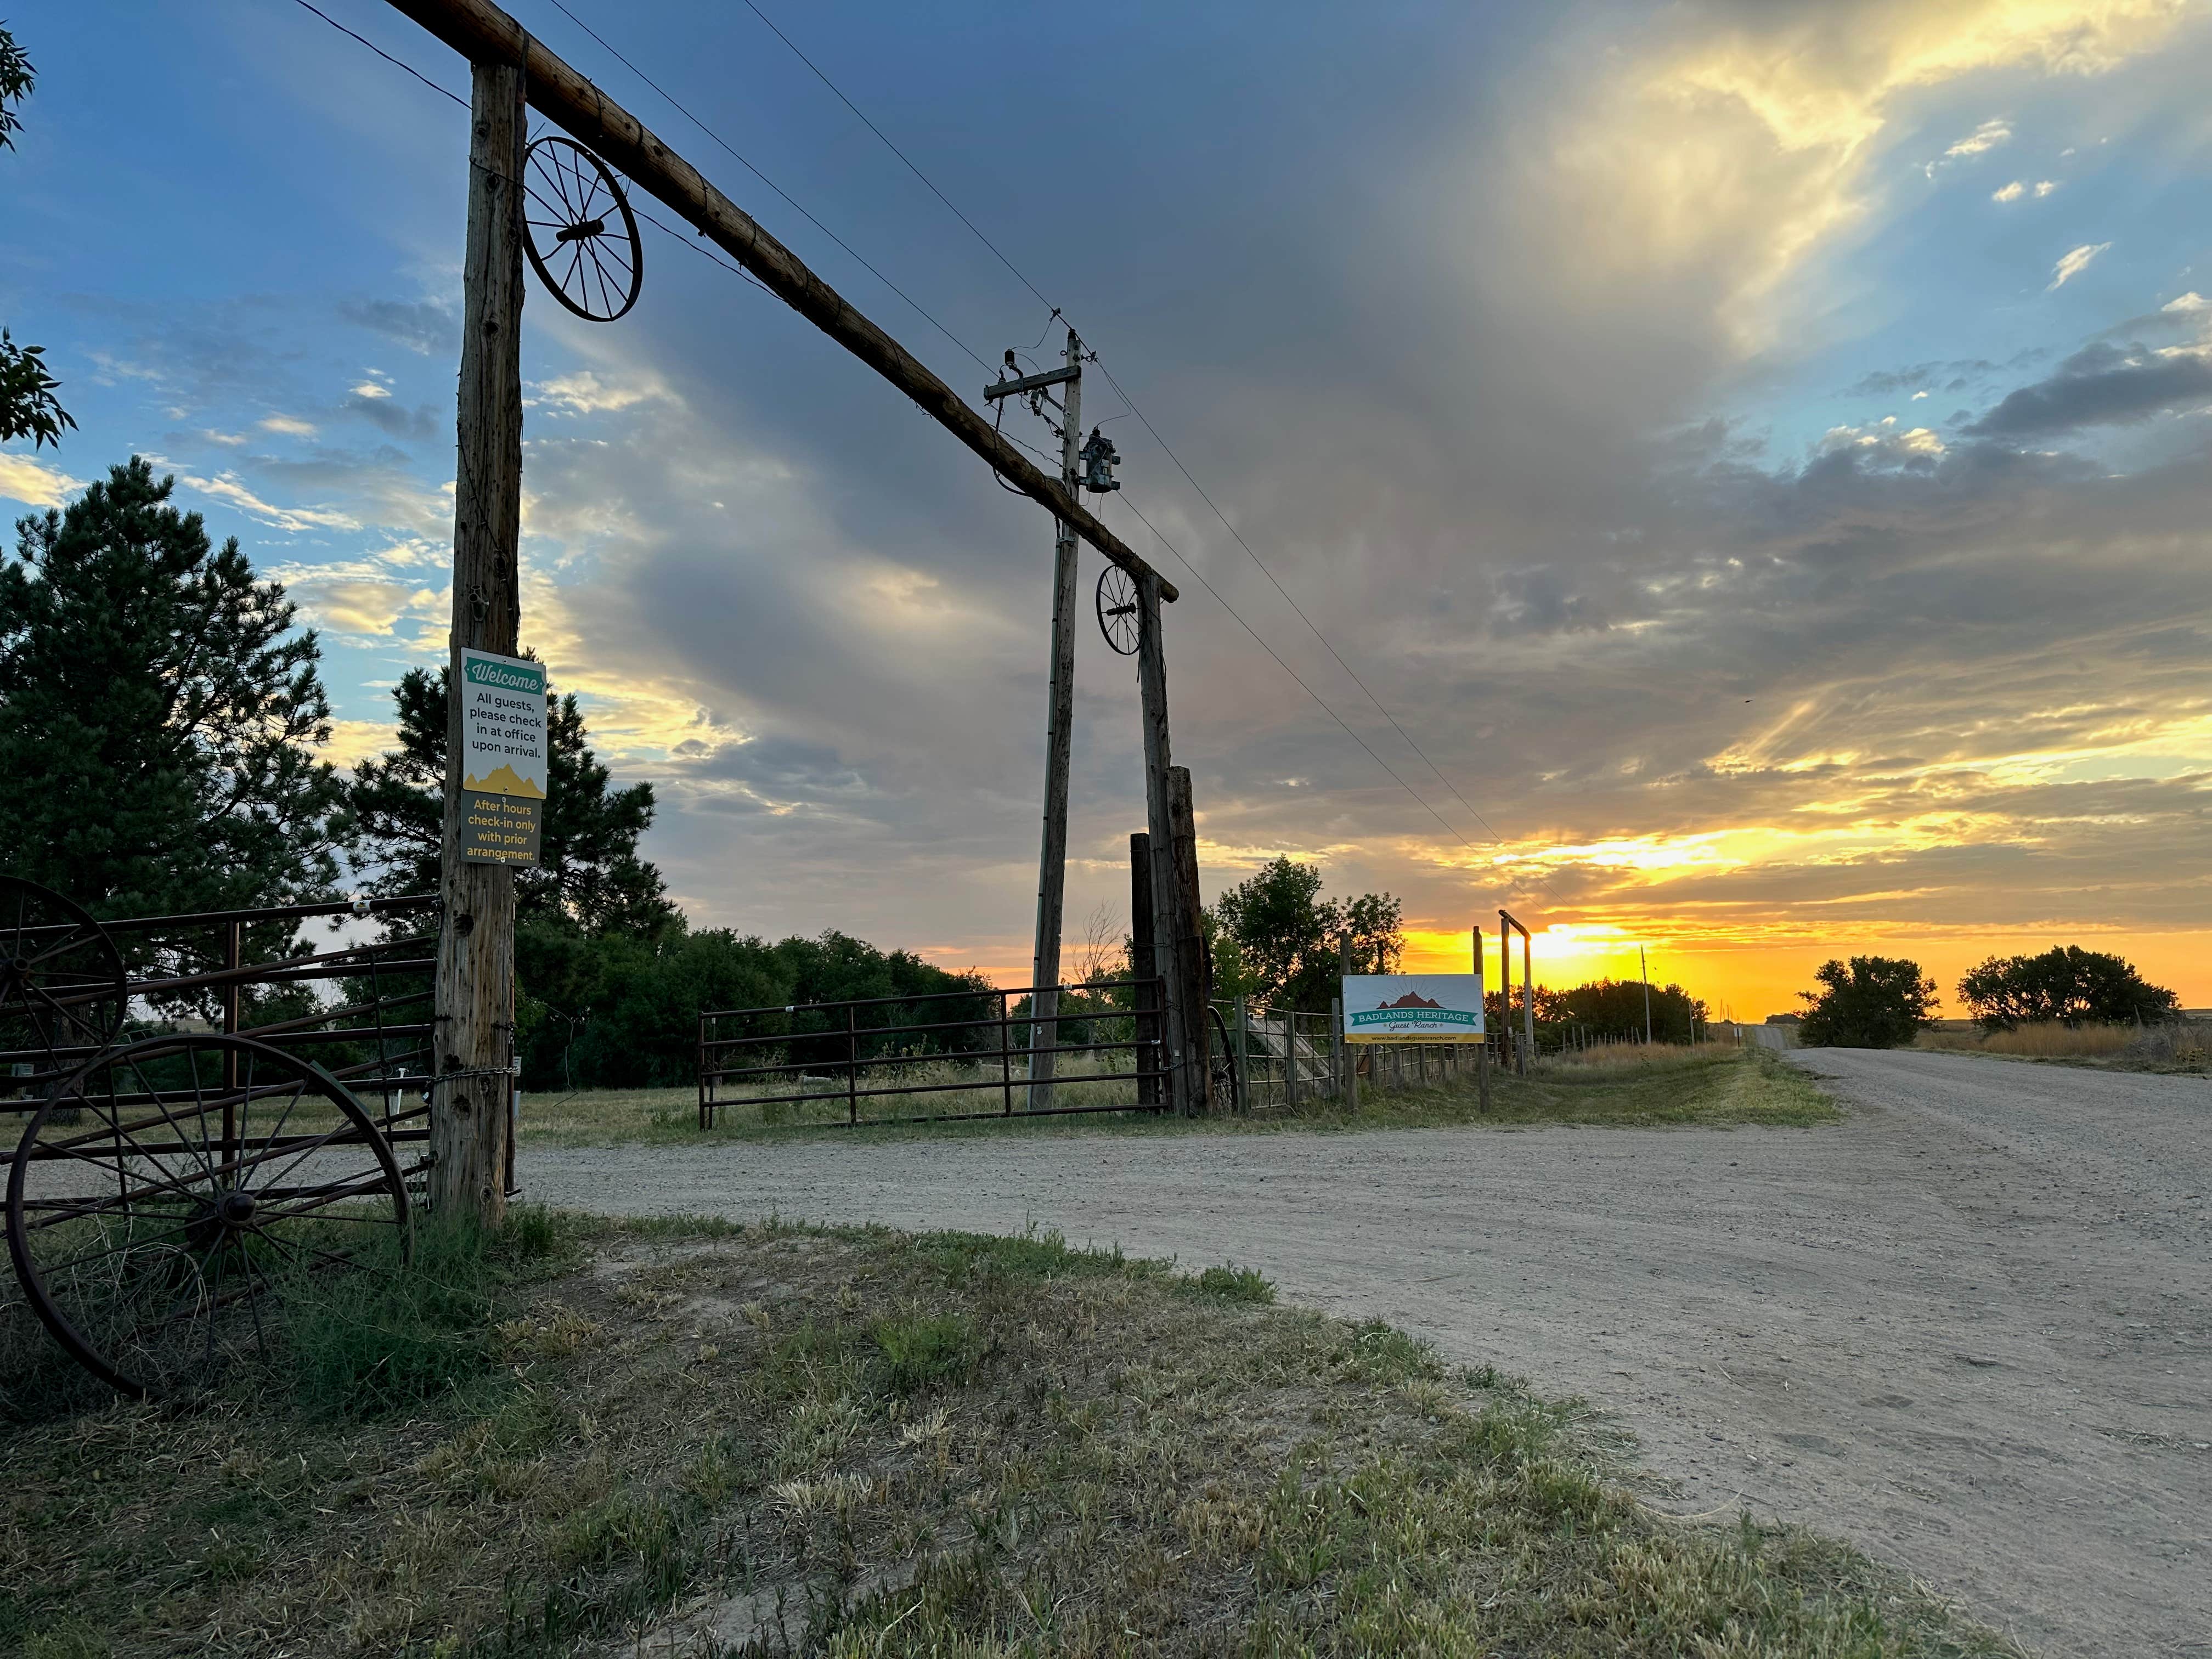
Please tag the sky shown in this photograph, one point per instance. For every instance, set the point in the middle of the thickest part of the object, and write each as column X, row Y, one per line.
column 1744, row 465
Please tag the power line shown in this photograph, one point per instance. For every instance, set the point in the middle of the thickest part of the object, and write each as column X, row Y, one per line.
column 385, row 55
column 670, row 99
column 896, row 151
column 706, row 253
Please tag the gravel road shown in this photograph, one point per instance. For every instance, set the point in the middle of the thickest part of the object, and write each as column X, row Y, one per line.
column 1969, row 1327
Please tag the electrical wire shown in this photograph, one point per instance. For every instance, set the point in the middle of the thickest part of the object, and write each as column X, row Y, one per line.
column 669, row 98
column 669, row 230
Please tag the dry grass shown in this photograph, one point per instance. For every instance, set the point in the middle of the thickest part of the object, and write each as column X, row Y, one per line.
column 2178, row 1046
column 707, row 1441
column 1629, row 1085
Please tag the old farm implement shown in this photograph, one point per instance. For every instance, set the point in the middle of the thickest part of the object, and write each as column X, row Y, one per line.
column 205, row 1138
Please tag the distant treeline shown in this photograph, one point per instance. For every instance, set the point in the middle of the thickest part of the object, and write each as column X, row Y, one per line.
column 1606, row 1008
column 619, row 1012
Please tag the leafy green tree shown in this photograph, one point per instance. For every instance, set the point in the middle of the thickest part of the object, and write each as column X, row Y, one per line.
column 158, row 714
column 1874, row 1002
column 590, row 877
column 1275, row 938
column 28, row 408
column 2065, row 983
column 1614, row 1008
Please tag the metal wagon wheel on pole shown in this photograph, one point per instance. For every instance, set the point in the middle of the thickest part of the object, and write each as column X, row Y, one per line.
column 1221, row 1059
column 163, row 1222
column 63, row 991
column 582, row 240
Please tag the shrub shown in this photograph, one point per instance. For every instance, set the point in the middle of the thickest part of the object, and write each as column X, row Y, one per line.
column 2067, row 984
column 1874, row 1002
column 924, row 1350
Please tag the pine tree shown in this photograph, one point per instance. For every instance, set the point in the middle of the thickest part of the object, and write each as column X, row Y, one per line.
column 590, row 877
column 158, row 714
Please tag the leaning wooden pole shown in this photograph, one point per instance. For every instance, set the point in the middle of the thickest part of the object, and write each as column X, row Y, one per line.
column 474, row 1042
column 482, row 33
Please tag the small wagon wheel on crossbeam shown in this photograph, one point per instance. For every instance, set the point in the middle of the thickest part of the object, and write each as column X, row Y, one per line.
column 62, row 987
column 1117, row 610
column 582, row 237
column 174, row 1204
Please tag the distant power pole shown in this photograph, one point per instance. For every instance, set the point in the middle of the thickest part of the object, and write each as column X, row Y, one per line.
column 1644, row 974
column 1059, row 712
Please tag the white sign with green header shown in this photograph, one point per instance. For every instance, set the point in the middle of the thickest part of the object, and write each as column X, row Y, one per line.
column 1412, row 1007
column 502, row 725
column 503, row 757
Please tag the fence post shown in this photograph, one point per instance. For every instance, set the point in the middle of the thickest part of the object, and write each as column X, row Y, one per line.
column 231, row 953
column 1290, row 1061
column 1146, row 966
column 706, row 1120
column 1243, row 1056
column 851, row 1068
column 1348, row 1057
column 1006, row 1053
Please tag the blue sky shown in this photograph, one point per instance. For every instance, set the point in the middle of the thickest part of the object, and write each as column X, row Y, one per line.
column 1560, row 361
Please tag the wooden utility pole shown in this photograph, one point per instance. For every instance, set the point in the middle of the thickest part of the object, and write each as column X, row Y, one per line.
column 473, row 1040
column 1059, row 742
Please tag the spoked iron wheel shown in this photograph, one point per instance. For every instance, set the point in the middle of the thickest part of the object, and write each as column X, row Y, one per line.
column 62, row 988
column 1221, row 1059
column 1117, row 610
column 173, row 1202
column 582, row 238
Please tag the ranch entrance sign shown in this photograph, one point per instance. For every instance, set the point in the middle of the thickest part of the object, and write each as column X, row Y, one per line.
column 1413, row 1008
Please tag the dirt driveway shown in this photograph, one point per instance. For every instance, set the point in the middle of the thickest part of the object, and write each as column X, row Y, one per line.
column 1971, row 1327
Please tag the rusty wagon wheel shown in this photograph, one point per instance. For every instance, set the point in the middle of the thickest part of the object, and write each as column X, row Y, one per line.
column 62, row 987
column 171, row 1203
column 582, row 238
column 1117, row 610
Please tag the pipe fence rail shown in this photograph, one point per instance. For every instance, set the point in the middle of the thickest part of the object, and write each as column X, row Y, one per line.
column 240, row 973
column 797, row 1063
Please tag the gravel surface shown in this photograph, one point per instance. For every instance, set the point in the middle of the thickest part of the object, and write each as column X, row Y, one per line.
column 1970, row 1328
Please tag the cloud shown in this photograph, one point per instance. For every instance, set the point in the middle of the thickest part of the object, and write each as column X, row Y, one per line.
column 2101, row 384
column 2189, row 301
column 371, row 390
column 427, row 328
column 1883, row 444
column 376, row 406
column 1735, row 143
column 586, row 393
column 2044, row 186
column 2011, row 192
column 225, row 487
column 1984, row 137
column 35, row 484
column 291, row 426
column 2074, row 264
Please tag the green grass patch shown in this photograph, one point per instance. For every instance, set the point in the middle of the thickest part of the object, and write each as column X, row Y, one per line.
column 1234, row 1283
column 783, row 1440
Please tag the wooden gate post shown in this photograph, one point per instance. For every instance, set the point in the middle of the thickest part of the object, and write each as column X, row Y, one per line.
column 1187, row 954
column 1145, row 965
column 474, row 1033
column 1167, row 929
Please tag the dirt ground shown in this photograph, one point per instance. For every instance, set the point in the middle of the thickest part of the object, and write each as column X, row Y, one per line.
column 1970, row 1328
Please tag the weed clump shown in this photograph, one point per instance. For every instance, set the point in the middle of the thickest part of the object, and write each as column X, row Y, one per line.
column 1235, row 1284
column 927, row 1350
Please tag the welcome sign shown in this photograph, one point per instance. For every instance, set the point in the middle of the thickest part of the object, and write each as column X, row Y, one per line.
column 503, row 757
column 1412, row 1007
